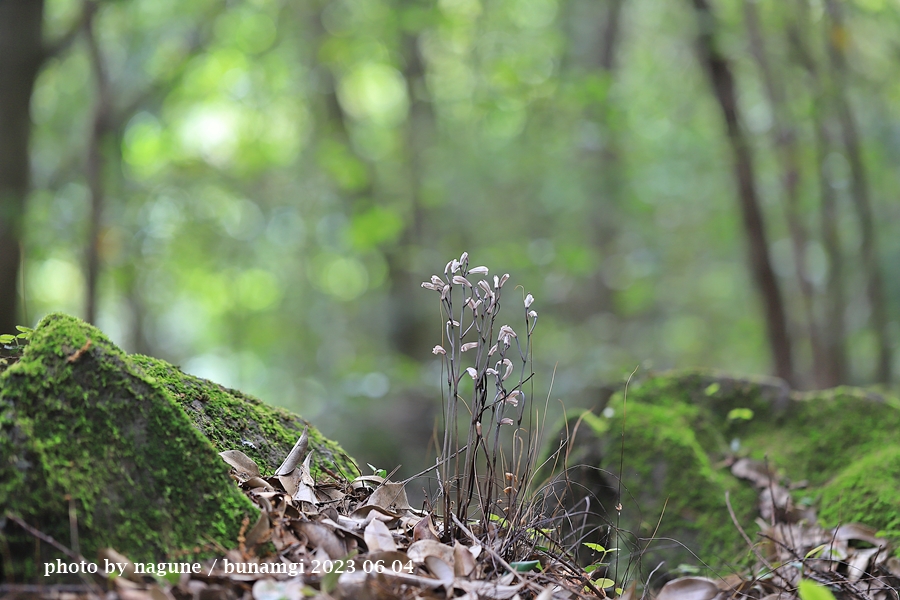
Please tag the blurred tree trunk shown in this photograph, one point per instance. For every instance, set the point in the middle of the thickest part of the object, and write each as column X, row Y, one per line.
column 609, row 182
column 785, row 142
column 21, row 55
column 594, row 50
column 719, row 71
column 105, row 142
column 836, row 39
column 101, row 127
column 409, row 334
column 834, row 334
column 406, row 331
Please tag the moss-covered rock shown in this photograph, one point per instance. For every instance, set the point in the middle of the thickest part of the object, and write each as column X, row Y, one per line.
column 131, row 444
column 679, row 429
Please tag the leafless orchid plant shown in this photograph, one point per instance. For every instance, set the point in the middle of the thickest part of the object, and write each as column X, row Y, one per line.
column 498, row 362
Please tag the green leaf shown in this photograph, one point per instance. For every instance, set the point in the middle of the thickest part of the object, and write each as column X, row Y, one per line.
column 744, row 414
column 816, row 552
column 24, row 329
column 686, row 569
column 330, row 580
column 810, row 590
column 377, row 472
column 595, row 547
column 603, row 582
column 711, row 389
column 172, row 578
column 524, row 566
column 7, row 338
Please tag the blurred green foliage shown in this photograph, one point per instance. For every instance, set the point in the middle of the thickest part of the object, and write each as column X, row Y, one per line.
column 286, row 173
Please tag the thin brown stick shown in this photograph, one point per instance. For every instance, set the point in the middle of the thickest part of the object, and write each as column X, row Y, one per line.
column 73, row 525
column 78, row 353
column 39, row 535
column 744, row 535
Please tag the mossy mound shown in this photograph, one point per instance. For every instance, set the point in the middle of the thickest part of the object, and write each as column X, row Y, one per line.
column 133, row 442
column 680, row 428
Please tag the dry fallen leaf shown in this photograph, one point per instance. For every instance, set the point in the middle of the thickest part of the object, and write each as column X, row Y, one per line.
column 442, row 571
column 463, row 561
column 391, row 496
column 423, row 530
column 419, row 551
column 378, row 537
column 689, row 588
column 296, row 454
column 260, row 531
column 269, row 589
column 322, row 538
column 243, row 465
column 290, row 482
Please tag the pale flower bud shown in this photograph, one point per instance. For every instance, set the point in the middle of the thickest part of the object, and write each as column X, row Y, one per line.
column 509, row 368
column 438, row 350
column 506, row 335
column 467, row 347
column 479, row 270
column 528, row 300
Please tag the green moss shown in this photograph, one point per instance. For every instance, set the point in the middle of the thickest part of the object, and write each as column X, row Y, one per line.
column 843, row 442
column 824, row 432
column 866, row 491
column 124, row 437
column 232, row 420
column 669, row 486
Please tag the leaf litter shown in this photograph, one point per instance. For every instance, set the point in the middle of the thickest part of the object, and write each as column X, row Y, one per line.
column 361, row 539
column 338, row 539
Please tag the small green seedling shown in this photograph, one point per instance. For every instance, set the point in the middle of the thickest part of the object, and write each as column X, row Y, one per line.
column 378, row 472
column 810, row 590
column 603, row 552
column 12, row 344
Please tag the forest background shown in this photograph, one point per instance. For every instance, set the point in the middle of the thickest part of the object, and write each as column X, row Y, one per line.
column 255, row 189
